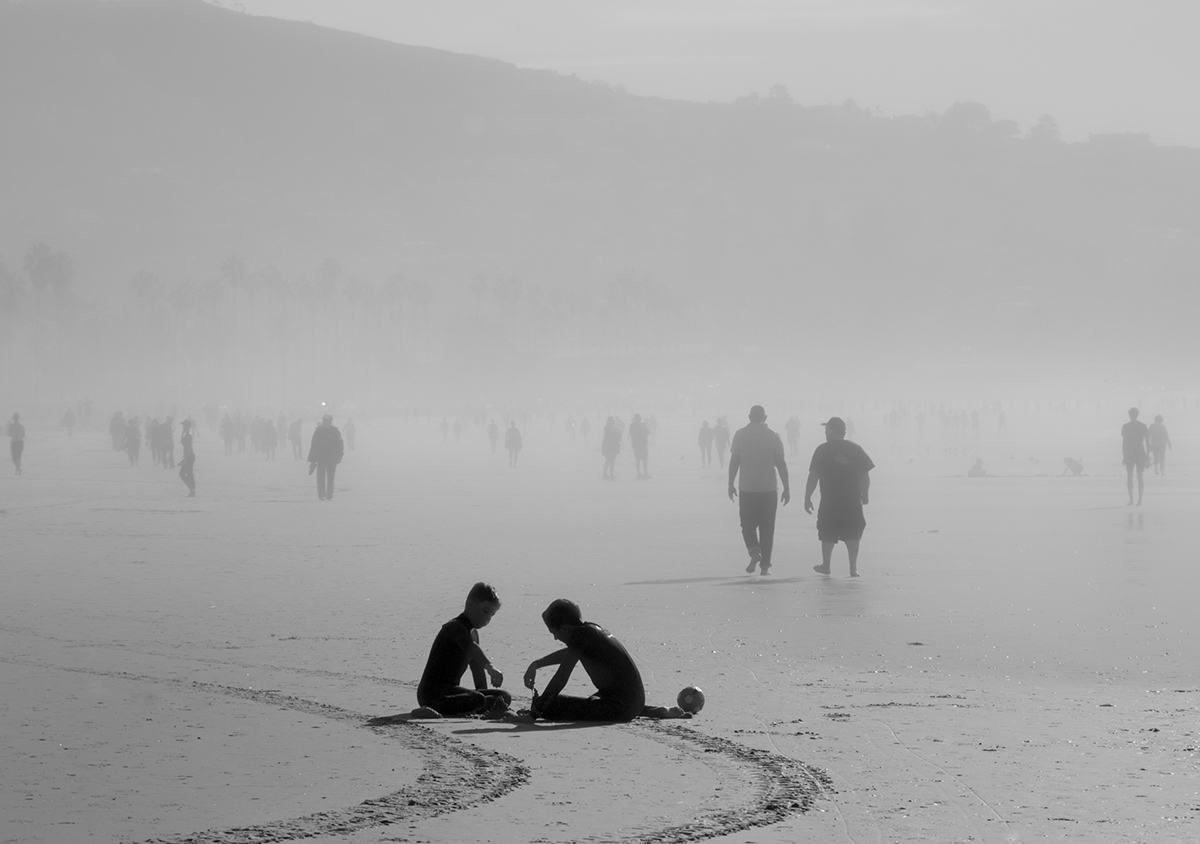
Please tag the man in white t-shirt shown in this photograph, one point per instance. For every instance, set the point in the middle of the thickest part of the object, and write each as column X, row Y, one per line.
column 757, row 454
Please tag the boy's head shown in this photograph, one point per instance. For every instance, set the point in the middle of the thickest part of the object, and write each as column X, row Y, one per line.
column 560, row 614
column 482, row 604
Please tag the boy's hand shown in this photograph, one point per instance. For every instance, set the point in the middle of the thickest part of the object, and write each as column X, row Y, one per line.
column 530, row 676
column 497, row 677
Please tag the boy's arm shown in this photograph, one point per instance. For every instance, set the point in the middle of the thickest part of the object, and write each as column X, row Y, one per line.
column 555, row 658
column 480, row 662
column 477, row 672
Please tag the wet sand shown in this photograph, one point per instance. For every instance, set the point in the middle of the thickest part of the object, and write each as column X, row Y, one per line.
column 1017, row 661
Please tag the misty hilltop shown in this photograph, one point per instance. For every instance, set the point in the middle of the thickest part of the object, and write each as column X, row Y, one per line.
column 168, row 135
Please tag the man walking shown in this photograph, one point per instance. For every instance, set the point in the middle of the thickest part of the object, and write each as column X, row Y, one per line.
column 324, row 453
column 840, row 467
column 757, row 454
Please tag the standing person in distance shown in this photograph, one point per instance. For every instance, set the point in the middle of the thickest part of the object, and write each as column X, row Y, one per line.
column 1135, row 448
column 756, row 453
column 512, row 442
column 16, row 437
column 841, row 469
column 639, row 439
column 1160, row 441
column 189, row 458
column 705, row 440
column 610, row 447
column 324, row 453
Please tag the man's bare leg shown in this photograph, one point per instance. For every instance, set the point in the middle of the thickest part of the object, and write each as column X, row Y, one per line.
column 852, row 550
column 826, row 556
column 1129, row 482
column 1141, row 484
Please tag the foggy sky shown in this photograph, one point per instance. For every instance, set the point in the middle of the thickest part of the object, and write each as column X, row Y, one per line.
column 1097, row 66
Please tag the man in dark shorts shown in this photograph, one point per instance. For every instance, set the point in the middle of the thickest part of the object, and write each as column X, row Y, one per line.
column 1135, row 448
column 620, row 695
column 757, row 454
column 841, row 468
column 455, row 648
column 1160, row 441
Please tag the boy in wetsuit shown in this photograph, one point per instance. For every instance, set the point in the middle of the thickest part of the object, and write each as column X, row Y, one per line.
column 619, row 695
column 456, row 648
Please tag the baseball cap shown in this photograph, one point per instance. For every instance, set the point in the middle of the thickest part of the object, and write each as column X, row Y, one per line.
column 836, row 423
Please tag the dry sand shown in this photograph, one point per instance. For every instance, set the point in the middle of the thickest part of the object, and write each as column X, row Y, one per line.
column 1017, row 663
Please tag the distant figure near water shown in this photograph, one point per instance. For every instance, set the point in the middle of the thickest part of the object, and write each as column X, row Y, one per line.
column 16, row 437
column 1160, row 441
column 512, row 442
column 610, row 447
column 1135, row 445
column 705, row 441
column 1075, row 467
column 977, row 471
column 639, row 439
column 189, row 458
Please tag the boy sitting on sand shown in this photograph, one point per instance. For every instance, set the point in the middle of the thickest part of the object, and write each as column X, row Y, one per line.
column 619, row 695
column 455, row 648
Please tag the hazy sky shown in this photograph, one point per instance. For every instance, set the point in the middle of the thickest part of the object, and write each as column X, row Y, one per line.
column 1095, row 65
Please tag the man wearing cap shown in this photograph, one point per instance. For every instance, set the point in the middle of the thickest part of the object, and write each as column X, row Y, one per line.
column 757, row 453
column 841, row 468
column 324, row 454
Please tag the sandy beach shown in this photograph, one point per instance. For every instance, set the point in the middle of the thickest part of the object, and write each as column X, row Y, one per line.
column 1017, row 662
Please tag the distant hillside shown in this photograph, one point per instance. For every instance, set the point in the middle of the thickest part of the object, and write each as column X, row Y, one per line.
column 168, row 135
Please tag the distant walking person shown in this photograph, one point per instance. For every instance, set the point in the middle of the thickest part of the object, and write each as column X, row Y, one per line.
column 351, row 434
column 16, row 437
column 512, row 442
column 133, row 441
column 705, row 441
column 610, row 447
column 756, row 453
column 721, row 439
column 639, row 439
column 1135, row 445
column 324, row 453
column 294, row 438
column 792, row 428
column 841, row 469
column 1160, row 441
column 68, row 421
column 189, row 458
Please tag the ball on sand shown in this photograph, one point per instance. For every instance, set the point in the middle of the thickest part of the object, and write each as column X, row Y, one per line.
column 691, row 699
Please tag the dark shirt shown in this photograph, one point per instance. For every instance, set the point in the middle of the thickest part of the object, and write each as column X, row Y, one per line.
column 1133, row 436
column 186, row 442
column 449, row 658
column 326, row 445
column 840, row 465
column 607, row 663
column 16, row 431
column 512, row 439
column 639, row 436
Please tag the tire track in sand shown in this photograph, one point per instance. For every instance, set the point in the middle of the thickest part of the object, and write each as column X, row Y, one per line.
column 458, row 775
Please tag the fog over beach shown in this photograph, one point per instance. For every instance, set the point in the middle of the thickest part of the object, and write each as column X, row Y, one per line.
column 307, row 326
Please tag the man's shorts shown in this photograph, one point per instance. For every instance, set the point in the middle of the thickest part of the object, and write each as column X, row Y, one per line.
column 843, row 523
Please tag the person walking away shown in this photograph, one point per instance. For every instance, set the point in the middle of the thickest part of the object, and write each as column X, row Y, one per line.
column 610, row 447
column 639, row 439
column 16, row 440
column 756, row 455
column 721, row 439
column 324, row 453
column 189, row 458
column 1160, row 441
column 512, row 442
column 705, row 441
column 840, row 468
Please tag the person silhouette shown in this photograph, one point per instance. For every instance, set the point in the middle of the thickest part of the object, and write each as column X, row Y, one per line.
column 610, row 447
column 1135, row 443
column 1160, row 441
column 16, row 440
column 705, row 441
column 188, row 460
column 756, row 453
